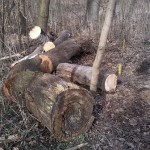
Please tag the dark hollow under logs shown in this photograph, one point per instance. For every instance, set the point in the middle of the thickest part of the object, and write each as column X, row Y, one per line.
column 63, row 107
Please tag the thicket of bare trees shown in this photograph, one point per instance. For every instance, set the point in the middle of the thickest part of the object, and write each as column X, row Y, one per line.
column 20, row 14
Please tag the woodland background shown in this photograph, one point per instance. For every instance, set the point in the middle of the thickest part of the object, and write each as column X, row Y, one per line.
column 113, row 129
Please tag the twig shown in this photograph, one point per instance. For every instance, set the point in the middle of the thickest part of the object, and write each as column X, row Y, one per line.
column 10, row 138
column 8, row 57
column 77, row 147
column 11, row 56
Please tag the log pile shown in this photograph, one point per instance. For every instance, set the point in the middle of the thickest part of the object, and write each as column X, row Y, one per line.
column 43, row 82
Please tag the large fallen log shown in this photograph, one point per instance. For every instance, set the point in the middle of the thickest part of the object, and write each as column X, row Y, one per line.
column 63, row 107
column 82, row 75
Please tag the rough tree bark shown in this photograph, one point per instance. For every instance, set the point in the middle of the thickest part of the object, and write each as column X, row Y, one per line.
column 43, row 14
column 102, row 44
column 82, row 75
column 63, row 107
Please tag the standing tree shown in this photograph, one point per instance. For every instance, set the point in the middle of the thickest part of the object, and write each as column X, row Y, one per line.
column 43, row 14
column 3, row 25
column 92, row 11
column 102, row 44
column 22, row 17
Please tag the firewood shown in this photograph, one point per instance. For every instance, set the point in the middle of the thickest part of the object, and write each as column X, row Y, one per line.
column 48, row 46
column 48, row 61
column 34, row 33
column 63, row 36
column 63, row 107
column 82, row 75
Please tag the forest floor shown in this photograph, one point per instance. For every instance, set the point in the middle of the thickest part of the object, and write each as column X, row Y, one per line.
column 122, row 118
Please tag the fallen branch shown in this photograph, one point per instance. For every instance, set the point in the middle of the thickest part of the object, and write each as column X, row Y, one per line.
column 78, row 146
column 38, row 50
column 11, row 56
column 10, row 138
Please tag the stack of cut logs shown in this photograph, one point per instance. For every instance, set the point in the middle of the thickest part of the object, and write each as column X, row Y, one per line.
column 44, row 82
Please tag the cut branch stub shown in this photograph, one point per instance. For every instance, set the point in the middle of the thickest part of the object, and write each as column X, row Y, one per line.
column 63, row 107
column 82, row 75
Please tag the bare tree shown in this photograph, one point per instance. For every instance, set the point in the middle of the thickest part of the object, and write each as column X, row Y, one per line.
column 92, row 11
column 22, row 17
column 102, row 44
column 43, row 14
column 3, row 25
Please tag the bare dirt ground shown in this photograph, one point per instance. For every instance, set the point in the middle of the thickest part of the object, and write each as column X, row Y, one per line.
column 122, row 118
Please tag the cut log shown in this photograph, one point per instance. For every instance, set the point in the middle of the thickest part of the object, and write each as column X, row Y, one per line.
column 47, row 62
column 63, row 36
column 63, row 107
column 48, row 46
column 82, row 75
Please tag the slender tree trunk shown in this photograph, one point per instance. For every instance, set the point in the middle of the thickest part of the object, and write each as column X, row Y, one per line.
column 3, row 25
column 102, row 44
column 22, row 16
column 43, row 14
column 92, row 11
